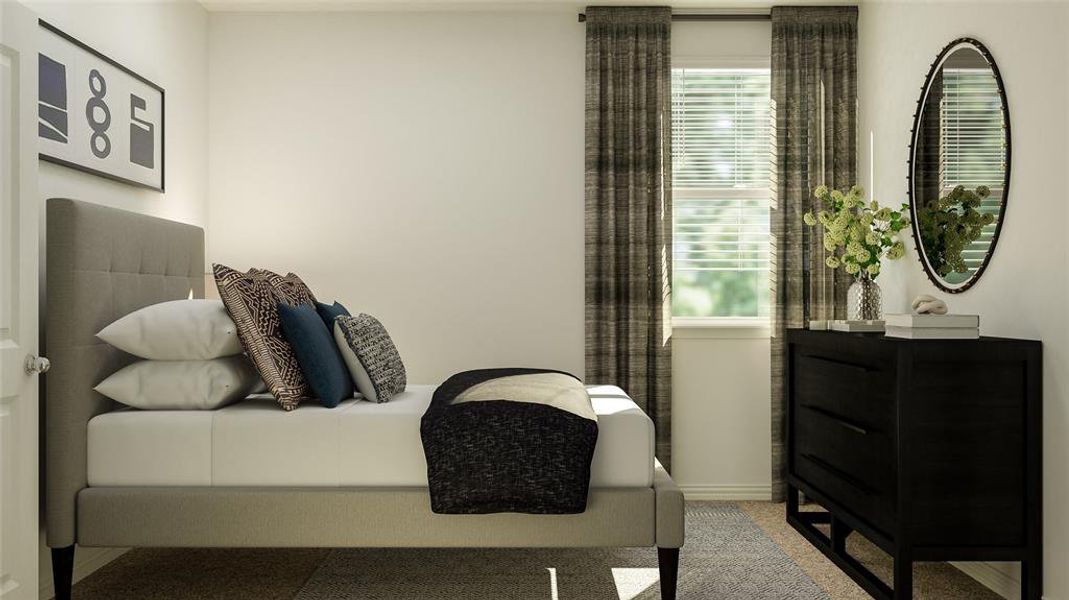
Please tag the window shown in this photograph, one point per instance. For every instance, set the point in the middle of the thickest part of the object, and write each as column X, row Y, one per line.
column 721, row 149
column 974, row 146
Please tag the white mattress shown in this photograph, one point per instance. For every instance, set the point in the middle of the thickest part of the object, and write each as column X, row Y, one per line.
column 358, row 444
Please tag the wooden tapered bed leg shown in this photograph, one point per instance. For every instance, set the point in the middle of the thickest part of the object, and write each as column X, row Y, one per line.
column 63, row 571
column 668, row 564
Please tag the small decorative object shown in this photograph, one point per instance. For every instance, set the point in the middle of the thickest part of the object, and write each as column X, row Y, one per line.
column 854, row 326
column 818, row 325
column 928, row 305
column 96, row 115
column 857, row 236
column 864, row 301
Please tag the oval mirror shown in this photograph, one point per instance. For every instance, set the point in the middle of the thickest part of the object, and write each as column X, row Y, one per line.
column 959, row 167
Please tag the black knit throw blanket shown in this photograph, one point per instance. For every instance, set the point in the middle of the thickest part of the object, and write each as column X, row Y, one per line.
column 494, row 456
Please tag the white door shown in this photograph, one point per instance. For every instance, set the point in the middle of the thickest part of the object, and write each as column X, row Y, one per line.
column 18, row 303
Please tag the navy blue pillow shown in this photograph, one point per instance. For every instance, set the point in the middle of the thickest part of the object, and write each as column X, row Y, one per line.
column 317, row 353
column 328, row 313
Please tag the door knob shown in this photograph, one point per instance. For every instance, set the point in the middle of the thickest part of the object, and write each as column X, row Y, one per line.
column 37, row 364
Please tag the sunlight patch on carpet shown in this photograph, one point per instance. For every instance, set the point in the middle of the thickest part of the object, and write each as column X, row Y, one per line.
column 631, row 582
column 553, row 593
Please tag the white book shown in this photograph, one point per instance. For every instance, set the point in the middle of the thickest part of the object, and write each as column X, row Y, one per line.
column 856, row 326
column 932, row 321
column 933, row 333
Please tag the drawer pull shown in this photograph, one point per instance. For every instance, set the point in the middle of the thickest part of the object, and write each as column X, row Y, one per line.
column 840, row 363
column 834, row 417
column 839, row 473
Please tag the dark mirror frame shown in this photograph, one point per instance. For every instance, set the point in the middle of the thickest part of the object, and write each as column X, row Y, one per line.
column 932, row 276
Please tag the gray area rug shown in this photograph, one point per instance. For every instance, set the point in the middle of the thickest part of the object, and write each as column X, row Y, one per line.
column 727, row 557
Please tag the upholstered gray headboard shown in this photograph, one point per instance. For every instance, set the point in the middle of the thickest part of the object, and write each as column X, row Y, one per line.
column 101, row 263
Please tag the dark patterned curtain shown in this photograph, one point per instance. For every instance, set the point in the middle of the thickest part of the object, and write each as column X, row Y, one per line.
column 814, row 95
column 629, row 207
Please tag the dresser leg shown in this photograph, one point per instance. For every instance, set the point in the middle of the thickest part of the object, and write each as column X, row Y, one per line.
column 792, row 500
column 903, row 576
column 839, row 532
column 1032, row 579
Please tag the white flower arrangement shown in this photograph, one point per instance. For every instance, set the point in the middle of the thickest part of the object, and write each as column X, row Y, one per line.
column 857, row 236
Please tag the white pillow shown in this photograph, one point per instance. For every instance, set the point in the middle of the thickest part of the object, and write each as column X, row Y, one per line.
column 176, row 330
column 182, row 384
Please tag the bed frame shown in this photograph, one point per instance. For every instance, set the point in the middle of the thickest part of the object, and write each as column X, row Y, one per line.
column 103, row 263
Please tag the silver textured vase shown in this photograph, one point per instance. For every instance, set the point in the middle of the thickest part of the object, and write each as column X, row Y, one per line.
column 864, row 301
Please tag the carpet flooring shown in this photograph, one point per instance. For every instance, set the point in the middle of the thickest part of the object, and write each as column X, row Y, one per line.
column 734, row 551
column 727, row 557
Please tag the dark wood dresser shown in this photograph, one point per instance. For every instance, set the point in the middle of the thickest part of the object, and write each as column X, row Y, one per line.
column 931, row 449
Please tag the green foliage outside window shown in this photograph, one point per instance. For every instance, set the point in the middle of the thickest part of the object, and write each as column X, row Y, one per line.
column 721, row 151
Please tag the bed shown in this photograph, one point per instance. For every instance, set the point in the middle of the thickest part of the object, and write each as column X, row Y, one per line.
column 251, row 475
column 357, row 444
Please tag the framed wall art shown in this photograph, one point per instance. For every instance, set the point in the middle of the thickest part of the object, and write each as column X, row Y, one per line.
column 96, row 115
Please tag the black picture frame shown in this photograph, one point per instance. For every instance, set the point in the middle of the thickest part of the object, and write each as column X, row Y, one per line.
column 917, row 116
column 163, row 116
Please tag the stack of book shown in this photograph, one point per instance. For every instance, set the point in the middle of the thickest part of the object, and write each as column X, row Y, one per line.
column 933, row 327
column 856, row 326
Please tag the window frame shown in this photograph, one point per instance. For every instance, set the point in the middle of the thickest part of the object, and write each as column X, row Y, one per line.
column 721, row 327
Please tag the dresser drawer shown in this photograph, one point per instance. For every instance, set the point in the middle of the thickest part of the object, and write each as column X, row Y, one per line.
column 875, row 508
column 862, row 455
column 850, row 464
column 852, row 389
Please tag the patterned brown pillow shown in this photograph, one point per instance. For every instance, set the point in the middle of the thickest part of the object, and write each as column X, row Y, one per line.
column 252, row 300
column 291, row 289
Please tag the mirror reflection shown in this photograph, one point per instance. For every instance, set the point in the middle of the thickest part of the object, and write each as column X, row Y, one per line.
column 959, row 166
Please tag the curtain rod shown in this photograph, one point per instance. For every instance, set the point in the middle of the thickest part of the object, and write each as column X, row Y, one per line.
column 711, row 17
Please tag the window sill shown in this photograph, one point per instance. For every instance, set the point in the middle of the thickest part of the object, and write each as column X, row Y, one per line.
column 720, row 328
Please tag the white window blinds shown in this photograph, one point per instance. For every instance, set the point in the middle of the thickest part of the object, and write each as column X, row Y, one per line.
column 972, row 144
column 721, row 161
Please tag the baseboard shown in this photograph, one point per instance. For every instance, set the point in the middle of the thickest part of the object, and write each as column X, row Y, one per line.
column 727, row 492
column 995, row 579
column 86, row 560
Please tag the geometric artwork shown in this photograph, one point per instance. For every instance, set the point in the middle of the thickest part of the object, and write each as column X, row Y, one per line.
column 52, row 97
column 95, row 115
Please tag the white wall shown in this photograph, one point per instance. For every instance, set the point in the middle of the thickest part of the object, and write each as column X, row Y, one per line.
column 425, row 168
column 721, row 413
column 1024, row 290
column 166, row 42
